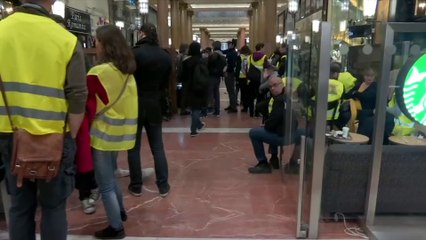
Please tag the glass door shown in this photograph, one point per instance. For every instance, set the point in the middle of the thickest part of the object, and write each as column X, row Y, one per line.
column 307, row 75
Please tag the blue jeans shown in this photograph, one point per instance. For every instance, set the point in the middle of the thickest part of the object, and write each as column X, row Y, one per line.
column 50, row 195
column 195, row 120
column 154, row 133
column 258, row 136
column 105, row 166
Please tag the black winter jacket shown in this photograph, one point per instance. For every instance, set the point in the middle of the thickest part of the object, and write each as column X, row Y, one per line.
column 154, row 66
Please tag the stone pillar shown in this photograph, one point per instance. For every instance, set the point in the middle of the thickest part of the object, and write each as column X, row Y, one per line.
column 184, row 22
column 261, row 17
column 271, row 30
column 251, row 27
column 205, row 39
column 255, row 33
column 190, row 13
column 241, row 38
column 163, row 28
column 175, row 26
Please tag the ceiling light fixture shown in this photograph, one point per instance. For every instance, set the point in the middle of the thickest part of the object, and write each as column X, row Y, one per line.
column 216, row 6
column 143, row 6
column 293, row 6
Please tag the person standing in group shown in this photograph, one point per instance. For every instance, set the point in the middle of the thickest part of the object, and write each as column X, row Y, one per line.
column 217, row 67
column 231, row 57
column 113, row 112
column 197, row 97
column 241, row 70
column 43, row 85
column 257, row 63
column 154, row 66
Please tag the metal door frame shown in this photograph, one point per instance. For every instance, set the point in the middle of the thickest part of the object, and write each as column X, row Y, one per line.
column 318, row 139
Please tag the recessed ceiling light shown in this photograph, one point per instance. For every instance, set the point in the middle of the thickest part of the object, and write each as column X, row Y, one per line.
column 222, row 6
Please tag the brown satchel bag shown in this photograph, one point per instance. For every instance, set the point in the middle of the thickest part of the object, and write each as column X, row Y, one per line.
column 34, row 156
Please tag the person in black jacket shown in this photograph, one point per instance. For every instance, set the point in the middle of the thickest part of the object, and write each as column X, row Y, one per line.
column 195, row 99
column 154, row 65
column 273, row 130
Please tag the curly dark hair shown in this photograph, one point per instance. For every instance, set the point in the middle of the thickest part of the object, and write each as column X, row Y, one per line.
column 115, row 49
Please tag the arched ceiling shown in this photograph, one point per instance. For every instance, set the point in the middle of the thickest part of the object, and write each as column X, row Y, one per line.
column 223, row 18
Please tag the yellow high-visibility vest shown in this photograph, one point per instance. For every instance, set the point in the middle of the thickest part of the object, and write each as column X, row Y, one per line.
column 244, row 65
column 115, row 130
column 34, row 55
column 347, row 80
column 258, row 64
column 403, row 125
column 335, row 93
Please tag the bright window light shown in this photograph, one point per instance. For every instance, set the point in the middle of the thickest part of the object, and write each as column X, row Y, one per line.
column 342, row 25
column 143, row 6
column 119, row 24
column 278, row 39
column 315, row 25
column 293, row 6
column 369, row 8
column 58, row 8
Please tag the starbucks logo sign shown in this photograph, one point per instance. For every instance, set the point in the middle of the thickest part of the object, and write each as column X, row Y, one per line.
column 411, row 94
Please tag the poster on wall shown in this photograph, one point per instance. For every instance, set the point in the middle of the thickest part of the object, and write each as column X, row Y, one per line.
column 411, row 95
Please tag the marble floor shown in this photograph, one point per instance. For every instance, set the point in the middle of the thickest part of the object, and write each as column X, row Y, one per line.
column 212, row 194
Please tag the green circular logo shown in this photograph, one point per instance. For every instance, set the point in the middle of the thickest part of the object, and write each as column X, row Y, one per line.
column 411, row 94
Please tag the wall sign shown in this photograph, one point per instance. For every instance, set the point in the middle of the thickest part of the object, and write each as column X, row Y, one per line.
column 411, row 94
column 77, row 21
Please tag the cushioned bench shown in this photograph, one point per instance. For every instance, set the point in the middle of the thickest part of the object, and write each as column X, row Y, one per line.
column 402, row 186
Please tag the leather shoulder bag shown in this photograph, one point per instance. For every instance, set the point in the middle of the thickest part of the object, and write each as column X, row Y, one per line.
column 34, row 156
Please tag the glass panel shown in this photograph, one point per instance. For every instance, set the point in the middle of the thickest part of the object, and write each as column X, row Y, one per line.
column 304, row 74
column 401, row 191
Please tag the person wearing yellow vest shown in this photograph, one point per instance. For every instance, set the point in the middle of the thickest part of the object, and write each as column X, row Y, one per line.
column 241, row 70
column 113, row 110
column 42, row 70
column 403, row 125
column 258, row 61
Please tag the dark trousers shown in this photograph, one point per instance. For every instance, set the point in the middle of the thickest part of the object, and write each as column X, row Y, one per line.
column 242, row 83
column 258, row 136
column 85, row 183
column 216, row 95
column 155, row 139
column 50, row 195
column 230, row 88
column 252, row 95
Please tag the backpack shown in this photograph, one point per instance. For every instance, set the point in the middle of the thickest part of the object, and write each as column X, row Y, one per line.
column 253, row 73
column 201, row 76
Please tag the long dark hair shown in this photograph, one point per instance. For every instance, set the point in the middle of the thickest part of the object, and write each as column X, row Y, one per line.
column 115, row 49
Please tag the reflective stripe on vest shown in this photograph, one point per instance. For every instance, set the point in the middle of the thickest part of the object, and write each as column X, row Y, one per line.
column 34, row 77
column 115, row 130
column 244, row 65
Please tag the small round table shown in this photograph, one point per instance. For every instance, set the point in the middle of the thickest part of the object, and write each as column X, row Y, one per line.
column 407, row 140
column 356, row 138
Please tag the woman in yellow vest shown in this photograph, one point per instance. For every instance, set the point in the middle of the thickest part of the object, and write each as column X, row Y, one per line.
column 112, row 89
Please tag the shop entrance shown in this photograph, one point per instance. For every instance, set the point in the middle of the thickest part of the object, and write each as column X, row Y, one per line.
column 307, row 84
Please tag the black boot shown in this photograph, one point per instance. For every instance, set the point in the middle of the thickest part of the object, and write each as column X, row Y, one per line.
column 110, row 233
column 275, row 162
column 261, row 167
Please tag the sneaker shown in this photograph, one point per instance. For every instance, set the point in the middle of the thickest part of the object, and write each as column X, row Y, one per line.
column 164, row 191
column 122, row 173
column 261, row 167
column 194, row 134
column 110, row 233
column 135, row 190
column 88, row 208
column 203, row 125
column 123, row 215
column 275, row 162
column 94, row 196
